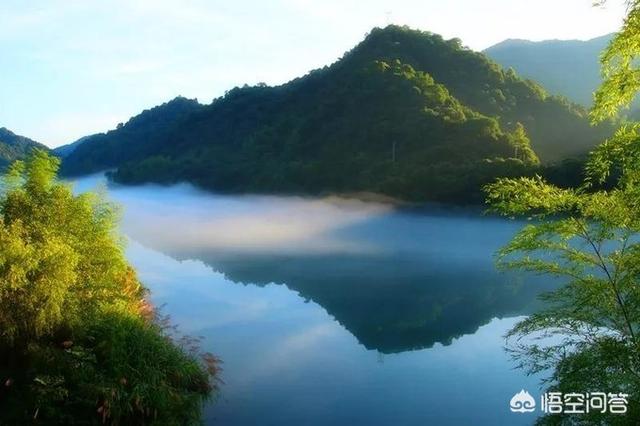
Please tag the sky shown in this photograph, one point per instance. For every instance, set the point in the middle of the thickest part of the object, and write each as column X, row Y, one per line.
column 69, row 68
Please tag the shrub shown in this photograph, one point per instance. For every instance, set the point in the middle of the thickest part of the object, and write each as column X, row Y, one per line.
column 79, row 344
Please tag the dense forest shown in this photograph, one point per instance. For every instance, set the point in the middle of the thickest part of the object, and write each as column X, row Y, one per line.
column 135, row 140
column 405, row 113
column 14, row 147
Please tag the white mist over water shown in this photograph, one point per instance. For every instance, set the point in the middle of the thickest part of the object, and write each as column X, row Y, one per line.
column 182, row 217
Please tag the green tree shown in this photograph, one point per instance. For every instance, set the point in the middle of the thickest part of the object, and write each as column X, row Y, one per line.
column 588, row 334
column 79, row 343
column 620, row 67
column 522, row 145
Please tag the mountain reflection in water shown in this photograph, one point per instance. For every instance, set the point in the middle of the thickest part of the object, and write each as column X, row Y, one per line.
column 397, row 280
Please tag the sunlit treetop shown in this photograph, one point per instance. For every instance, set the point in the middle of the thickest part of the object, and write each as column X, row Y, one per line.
column 61, row 259
column 620, row 67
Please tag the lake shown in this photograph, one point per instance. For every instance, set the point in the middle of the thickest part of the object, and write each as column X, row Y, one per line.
column 332, row 311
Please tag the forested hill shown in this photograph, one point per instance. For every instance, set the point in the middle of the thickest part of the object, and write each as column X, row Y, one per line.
column 404, row 113
column 15, row 147
column 569, row 68
column 134, row 140
column 65, row 150
column 558, row 129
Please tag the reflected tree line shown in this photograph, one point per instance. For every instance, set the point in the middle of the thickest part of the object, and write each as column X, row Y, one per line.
column 390, row 303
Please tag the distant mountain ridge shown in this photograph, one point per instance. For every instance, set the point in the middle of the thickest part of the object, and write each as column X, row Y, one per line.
column 405, row 113
column 570, row 68
column 130, row 141
column 65, row 150
column 15, row 147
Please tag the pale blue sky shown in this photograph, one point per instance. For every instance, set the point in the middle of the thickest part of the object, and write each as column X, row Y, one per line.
column 75, row 67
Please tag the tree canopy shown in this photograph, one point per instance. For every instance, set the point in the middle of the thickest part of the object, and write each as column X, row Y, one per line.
column 587, row 336
column 620, row 67
column 79, row 342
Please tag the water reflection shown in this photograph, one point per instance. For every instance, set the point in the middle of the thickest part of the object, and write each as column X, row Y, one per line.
column 396, row 280
column 391, row 303
column 318, row 306
column 287, row 362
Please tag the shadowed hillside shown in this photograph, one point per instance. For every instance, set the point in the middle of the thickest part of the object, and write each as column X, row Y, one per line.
column 405, row 113
column 564, row 67
column 15, row 147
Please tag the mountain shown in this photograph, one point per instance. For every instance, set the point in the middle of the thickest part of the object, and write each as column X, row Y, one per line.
column 405, row 113
column 65, row 150
column 15, row 147
column 134, row 140
column 570, row 68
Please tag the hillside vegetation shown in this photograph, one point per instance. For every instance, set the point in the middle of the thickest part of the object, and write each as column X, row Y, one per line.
column 405, row 113
column 15, row 147
column 79, row 342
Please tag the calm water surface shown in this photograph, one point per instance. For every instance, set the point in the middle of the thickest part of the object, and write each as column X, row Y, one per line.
column 335, row 312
